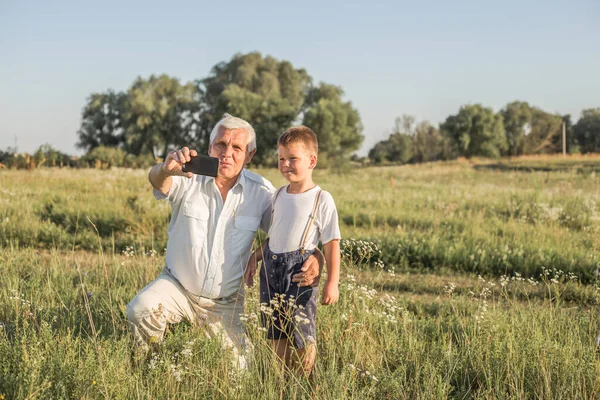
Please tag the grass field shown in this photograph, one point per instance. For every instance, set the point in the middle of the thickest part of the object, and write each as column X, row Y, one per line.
column 458, row 282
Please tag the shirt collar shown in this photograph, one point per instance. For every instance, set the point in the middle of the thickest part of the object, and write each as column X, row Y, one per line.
column 240, row 181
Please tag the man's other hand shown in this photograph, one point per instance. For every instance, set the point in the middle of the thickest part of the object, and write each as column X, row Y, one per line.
column 310, row 273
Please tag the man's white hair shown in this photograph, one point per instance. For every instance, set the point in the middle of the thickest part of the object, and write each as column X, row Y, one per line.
column 231, row 122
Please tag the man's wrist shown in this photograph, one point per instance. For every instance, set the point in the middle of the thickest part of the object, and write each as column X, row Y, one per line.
column 163, row 172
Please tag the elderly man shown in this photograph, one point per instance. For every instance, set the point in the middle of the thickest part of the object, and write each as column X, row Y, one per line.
column 212, row 227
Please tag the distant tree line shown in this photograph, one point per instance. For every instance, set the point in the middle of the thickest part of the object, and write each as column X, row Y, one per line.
column 477, row 131
column 154, row 115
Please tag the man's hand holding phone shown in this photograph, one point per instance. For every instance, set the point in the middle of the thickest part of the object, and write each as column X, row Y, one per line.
column 173, row 164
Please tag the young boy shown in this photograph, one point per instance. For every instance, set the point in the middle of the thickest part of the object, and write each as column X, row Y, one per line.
column 301, row 214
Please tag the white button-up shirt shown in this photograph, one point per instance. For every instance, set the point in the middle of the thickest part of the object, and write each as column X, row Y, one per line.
column 210, row 241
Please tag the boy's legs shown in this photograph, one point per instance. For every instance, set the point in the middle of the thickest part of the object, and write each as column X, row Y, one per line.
column 283, row 349
column 304, row 358
column 304, row 334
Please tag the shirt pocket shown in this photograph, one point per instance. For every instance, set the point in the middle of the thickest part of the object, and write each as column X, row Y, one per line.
column 250, row 224
column 195, row 210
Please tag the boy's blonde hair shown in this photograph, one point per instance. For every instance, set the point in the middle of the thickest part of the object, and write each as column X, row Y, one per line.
column 300, row 135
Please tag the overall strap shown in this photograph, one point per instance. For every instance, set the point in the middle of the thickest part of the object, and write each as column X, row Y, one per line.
column 274, row 200
column 310, row 221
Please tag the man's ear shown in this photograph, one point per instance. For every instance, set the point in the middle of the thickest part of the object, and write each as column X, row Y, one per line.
column 249, row 156
column 313, row 161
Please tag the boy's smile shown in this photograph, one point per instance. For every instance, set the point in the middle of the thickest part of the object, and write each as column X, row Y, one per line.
column 296, row 163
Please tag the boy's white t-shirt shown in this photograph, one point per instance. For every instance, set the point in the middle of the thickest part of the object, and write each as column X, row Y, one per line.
column 291, row 214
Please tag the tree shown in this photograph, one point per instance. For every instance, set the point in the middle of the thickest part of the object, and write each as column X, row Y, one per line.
column 378, row 154
column 517, row 123
column 531, row 130
column 406, row 124
column 46, row 155
column 427, row 143
column 102, row 120
column 336, row 123
column 544, row 136
column 476, row 131
column 587, row 130
column 161, row 113
column 398, row 147
column 268, row 93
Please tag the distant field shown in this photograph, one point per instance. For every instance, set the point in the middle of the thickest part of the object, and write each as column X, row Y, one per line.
column 424, row 218
column 414, row 320
column 582, row 164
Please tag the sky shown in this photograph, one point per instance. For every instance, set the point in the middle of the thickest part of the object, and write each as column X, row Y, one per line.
column 424, row 58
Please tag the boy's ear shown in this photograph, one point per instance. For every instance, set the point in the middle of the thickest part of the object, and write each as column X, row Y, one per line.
column 313, row 161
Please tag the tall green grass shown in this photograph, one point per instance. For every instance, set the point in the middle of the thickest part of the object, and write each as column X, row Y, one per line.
column 413, row 321
column 443, row 215
column 64, row 335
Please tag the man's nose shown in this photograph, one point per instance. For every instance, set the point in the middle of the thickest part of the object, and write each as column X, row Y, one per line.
column 228, row 152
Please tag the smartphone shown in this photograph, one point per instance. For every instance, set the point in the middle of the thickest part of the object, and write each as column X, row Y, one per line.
column 202, row 165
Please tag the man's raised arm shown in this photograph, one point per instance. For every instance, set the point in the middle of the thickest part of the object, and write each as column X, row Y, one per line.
column 160, row 175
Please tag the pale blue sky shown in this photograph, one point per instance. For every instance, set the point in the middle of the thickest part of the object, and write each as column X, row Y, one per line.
column 423, row 58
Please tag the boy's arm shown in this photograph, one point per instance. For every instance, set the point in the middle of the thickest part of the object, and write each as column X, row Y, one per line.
column 252, row 264
column 332, row 257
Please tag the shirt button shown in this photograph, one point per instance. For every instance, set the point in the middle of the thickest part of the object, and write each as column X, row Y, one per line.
column 274, row 257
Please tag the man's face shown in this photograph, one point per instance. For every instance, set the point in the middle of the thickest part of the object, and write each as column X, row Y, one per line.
column 230, row 147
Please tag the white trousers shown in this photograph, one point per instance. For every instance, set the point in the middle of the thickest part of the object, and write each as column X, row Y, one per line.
column 164, row 301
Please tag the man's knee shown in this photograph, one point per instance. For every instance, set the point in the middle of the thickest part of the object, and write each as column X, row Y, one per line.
column 137, row 307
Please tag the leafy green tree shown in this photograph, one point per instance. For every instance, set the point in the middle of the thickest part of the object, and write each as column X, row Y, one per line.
column 587, row 130
column 104, row 157
column 273, row 95
column 517, row 123
column 427, row 143
column 531, row 130
column 544, row 136
column 102, row 120
column 336, row 123
column 47, row 156
column 378, row 153
column 161, row 113
column 398, row 147
column 406, row 124
column 268, row 93
column 476, row 131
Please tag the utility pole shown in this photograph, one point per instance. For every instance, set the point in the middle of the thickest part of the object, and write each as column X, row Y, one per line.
column 564, row 137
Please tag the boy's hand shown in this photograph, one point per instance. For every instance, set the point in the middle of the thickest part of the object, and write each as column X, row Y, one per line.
column 331, row 293
column 250, row 271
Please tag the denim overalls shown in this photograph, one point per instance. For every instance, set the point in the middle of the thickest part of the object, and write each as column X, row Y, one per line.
column 288, row 311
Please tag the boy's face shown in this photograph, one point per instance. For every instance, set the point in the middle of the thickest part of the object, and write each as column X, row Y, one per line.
column 296, row 162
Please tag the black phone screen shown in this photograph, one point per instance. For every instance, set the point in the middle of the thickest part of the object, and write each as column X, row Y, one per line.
column 202, row 165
